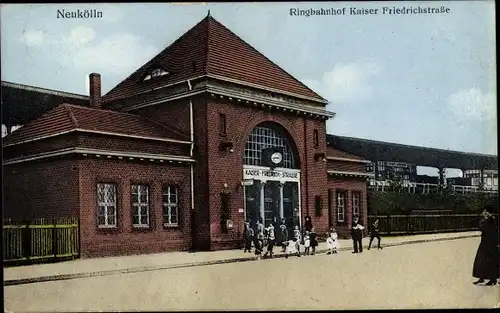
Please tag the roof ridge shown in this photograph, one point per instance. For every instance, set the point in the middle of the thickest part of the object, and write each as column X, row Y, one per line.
column 207, row 44
column 265, row 57
column 70, row 114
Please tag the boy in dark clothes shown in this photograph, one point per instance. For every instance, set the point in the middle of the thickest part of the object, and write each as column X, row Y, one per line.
column 248, row 235
column 314, row 241
column 375, row 233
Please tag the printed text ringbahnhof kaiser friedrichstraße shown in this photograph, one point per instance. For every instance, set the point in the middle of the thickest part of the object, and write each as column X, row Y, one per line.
column 404, row 10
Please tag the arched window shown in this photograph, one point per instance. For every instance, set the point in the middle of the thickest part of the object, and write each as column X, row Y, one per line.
column 269, row 136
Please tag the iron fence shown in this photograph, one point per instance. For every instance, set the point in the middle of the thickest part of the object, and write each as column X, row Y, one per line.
column 40, row 240
column 421, row 224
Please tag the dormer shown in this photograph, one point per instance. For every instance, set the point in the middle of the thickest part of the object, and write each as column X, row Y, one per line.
column 155, row 72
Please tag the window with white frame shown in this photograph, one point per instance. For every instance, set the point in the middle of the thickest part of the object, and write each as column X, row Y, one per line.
column 140, row 205
column 341, row 206
column 170, row 206
column 156, row 73
column 356, row 207
column 106, row 203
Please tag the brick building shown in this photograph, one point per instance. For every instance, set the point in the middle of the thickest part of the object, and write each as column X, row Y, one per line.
column 207, row 134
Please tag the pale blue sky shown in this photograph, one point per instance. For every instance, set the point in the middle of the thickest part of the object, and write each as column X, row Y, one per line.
column 426, row 80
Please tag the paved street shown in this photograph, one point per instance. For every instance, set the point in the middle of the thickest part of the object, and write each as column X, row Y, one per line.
column 425, row 275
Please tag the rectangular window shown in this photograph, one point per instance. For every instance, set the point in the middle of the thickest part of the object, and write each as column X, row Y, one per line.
column 318, row 205
column 140, row 206
column 170, row 206
column 222, row 119
column 341, row 197
column 106, row 203
column 356, row 203
column 316, row 138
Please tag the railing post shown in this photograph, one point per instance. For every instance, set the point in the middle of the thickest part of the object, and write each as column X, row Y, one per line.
column 26, row 238
column 54, row 238
column 388, row 224
column 408, row 225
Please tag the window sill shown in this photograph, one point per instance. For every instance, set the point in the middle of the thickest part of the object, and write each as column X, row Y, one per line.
column 171, row 226
column 108, row 229
column 139, row 229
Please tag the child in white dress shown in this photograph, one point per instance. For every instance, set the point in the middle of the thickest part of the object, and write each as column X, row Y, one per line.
column 332, row 241
column 297, row 237
column 307, row 242
column 291, row 248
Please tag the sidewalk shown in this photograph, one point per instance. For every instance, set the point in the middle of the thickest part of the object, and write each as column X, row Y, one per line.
column 82, row 268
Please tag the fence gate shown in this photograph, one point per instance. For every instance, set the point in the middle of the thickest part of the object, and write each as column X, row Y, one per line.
column 41, row 240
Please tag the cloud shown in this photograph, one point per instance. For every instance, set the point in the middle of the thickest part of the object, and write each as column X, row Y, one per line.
column 119, row 53
column 473, row 104
column 32, row 38
column 346, row 82
column 80, row 36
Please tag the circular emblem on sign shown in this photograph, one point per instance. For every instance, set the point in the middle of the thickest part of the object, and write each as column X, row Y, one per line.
column 276, row 157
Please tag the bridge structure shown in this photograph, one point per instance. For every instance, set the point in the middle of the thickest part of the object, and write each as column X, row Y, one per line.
column 421, row 156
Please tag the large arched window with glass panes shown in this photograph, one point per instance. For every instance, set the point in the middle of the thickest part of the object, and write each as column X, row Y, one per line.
column 269, row 135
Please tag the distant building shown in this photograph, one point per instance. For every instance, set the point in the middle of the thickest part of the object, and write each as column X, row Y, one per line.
column 490, row 178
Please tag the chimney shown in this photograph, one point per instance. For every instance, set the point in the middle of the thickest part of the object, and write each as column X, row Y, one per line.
column 95, row 90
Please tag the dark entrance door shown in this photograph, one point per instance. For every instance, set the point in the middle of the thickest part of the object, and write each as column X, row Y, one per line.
column 291, row 205
column 252, row 195
column 272, row 200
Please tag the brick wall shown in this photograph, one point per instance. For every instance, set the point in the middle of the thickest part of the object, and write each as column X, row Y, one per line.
column 348, row 185
column 176, row 114
column 40, row 146
column 40, row 189
column 125, row 239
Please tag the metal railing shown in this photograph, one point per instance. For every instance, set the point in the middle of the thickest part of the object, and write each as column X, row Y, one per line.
column 427, row 188
column 40, row 240
column 422, row 224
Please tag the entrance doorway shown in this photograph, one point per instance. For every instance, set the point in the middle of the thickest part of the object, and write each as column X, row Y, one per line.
column 272, row 201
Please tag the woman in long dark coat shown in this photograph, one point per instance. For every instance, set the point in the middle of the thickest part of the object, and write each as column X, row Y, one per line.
column 486, row 264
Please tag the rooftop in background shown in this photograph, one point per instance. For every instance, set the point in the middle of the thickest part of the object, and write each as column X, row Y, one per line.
column 211, row 49
column 422, row 156
column 22, row 104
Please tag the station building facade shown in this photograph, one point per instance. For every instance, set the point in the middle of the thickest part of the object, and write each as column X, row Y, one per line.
column 206, row 135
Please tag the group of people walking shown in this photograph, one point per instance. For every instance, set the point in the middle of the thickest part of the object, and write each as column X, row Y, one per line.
column 486, row 264
column 291, row 243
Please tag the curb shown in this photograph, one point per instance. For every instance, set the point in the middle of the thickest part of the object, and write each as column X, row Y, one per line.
column 40, row 279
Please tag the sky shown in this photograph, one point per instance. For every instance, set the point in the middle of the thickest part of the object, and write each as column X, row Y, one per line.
column 426, row 80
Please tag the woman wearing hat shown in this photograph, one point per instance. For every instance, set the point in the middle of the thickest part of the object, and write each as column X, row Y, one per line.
column 486, row 264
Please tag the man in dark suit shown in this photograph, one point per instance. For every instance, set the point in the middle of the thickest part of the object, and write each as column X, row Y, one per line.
column 357, row 235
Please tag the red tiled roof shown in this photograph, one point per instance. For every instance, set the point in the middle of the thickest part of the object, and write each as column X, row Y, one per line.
column 215, row 50
column 67, row 117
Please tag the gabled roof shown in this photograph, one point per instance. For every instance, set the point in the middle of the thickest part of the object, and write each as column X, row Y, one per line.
column 209, row 48
column 67, row 117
